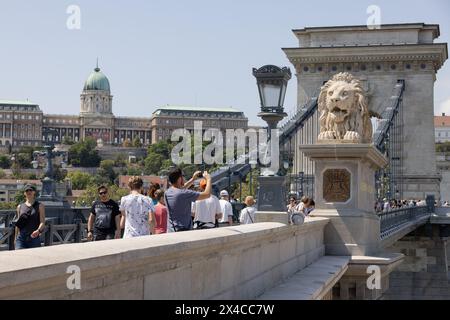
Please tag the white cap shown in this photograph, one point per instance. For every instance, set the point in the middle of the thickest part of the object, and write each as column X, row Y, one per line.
column 224, row 193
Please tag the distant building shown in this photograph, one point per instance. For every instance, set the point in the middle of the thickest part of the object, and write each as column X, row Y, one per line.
column 442, row 128
column 10, row 187
column 20, row 124
column 96, row 118
column 169, row 118
column 24, row 124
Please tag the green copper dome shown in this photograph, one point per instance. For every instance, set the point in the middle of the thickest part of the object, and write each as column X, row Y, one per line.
column 97, row 81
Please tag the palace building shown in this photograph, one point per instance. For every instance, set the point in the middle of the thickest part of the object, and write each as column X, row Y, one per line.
column 96, row 118
column 24, row 123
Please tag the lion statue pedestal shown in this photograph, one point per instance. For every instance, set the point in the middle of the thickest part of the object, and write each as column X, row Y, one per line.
column 345, row 164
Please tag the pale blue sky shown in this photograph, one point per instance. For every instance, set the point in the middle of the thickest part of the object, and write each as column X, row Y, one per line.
column 196, row 52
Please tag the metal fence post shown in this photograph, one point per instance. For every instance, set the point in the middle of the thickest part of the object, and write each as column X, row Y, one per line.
column 49, row 234
column 78, row 232
column 12, row 237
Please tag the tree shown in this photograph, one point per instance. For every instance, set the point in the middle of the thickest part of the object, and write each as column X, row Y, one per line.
column 67, row 140
column 19, row 198
column 106, row 170
column 137, row 142
column 2, row 174
column 153, row 163
column 162, row 147
column 5, row 162
column 80, row 180
column 121, row 160
column 127, row 143
column 24, row 160
column 133, row 171
column 84, row 153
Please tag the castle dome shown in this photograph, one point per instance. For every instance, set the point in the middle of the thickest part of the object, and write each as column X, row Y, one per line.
column 97, row 81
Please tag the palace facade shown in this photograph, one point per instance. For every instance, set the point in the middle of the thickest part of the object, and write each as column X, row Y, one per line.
column 23, row 123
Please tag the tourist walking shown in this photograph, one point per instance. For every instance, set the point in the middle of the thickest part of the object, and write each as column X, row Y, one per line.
column 30, row 220
column 138, row 212
column 247, row 215
column 104, row 218
column 226, row 208
column 179, row 199
column 160, row 213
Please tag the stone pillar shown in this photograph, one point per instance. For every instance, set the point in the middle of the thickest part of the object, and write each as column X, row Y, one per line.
column 345, row 193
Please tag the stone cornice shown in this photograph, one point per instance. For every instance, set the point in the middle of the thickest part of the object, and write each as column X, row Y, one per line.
column 432, row 52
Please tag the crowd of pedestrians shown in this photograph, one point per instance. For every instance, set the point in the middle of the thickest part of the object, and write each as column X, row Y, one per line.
column 177, row 209
column 387, row 205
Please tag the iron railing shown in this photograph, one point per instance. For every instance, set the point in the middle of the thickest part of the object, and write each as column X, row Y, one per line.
column 394, row 220
column 53, row 233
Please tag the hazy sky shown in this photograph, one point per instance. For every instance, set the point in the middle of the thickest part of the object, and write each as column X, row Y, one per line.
column 191, row 52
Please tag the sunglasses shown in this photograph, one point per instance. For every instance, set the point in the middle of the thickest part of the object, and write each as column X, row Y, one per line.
column 102, row 193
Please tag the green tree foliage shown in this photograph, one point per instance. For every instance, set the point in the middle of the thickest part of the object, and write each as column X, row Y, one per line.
column 84, row 154
column 121, row 160
column 24, row 160
column 153, row 163
column 80, row 180
column 106, row 173
column 5, row 162
column 137, row 142
column 91, row 194
column 2, row 174
column 134, row 171
column 162, row 147
column 67, row 141
column 20, row 198
column 8, row 205
column 443, row 147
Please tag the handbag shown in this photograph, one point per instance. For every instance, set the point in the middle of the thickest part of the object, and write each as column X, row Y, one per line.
column 24, row 215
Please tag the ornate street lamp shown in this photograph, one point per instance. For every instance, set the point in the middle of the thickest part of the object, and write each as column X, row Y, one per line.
column 48, row 184
column 272, row 83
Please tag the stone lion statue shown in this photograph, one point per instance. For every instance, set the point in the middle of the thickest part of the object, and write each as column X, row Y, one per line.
column 343, row 109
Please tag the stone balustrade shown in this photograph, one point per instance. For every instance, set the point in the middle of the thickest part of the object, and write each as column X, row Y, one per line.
column 239, row 262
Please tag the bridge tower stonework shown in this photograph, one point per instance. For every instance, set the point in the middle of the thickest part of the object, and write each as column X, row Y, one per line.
column 379, row 58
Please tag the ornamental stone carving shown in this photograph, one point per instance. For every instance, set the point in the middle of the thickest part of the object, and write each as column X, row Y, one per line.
column 336, row 185
column 344, row 113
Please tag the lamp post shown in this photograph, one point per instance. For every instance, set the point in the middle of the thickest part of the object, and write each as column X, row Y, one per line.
column 48, row 183
column 272, row 83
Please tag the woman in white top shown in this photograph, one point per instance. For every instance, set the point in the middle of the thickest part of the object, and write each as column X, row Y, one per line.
column 138, row 212
column 247, row 215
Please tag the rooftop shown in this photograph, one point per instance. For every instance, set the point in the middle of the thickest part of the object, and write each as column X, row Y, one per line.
column 197, row 109
column 393, row 26
column 442, row 121
column 17, row 102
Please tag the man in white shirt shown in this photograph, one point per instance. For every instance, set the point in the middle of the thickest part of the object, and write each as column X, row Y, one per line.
column 247, row 215
column 226, row 208
column 206, row 211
